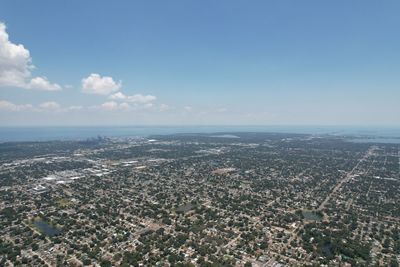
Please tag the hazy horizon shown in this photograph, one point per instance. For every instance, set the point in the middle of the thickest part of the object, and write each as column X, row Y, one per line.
column 51, row 133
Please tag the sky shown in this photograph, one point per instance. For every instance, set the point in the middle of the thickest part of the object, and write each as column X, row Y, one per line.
column 283, row 62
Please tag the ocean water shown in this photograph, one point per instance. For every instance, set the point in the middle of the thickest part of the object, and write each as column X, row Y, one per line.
column 16, row 134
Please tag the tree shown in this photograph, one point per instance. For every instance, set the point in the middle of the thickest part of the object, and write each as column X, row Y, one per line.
column 394, row 263
column 105, row 263
column 35, row 247
column 86, row 262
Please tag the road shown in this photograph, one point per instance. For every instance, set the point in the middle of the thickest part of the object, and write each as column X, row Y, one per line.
column 345, row 178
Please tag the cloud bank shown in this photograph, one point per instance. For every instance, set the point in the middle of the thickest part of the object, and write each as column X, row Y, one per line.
column 137, row 98
column 9, row 106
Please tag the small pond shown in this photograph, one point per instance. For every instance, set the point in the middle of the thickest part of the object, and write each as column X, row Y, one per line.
column 310, row 215
column 46, row 228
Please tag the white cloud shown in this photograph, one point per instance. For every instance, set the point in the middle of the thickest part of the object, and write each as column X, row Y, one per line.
column 51, row 105
column 188, row 108
column 112, row 105
column 15, row 61
column 138, row 98
column 95, row 84
column 41, row 83
column 75, row 108
column 9, row 106
column 16, row 66
column 118, row 96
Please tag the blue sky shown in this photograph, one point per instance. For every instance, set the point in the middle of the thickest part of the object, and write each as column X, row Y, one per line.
column 200, row 62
